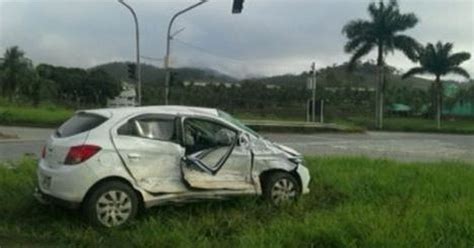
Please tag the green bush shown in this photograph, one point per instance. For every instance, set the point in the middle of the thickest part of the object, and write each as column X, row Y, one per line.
column 5, row 117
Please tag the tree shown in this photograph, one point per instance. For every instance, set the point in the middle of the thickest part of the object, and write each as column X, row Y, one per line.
column 382, row 32
column 439, row 60
column 15, row 68
column 99, row 86
column 79, row 87
column 30, row 88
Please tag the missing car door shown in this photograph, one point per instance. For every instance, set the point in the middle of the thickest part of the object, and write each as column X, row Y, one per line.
column 208, row 144
column 214, row 158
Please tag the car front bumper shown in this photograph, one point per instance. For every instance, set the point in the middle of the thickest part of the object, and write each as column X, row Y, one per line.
column 305, row 177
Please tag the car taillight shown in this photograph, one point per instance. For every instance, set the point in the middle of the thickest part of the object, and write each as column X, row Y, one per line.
column 79, row 154
column 43, row 152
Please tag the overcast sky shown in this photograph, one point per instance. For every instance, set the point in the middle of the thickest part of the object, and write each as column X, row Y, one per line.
column 270, row 37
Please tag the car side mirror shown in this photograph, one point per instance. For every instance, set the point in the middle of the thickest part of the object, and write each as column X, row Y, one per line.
column 244, row 140
column 225, row 137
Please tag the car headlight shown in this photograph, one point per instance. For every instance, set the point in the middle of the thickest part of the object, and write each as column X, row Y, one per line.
column 296, row 160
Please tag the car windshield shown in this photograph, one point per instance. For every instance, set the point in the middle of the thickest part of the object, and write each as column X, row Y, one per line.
column 236, row 122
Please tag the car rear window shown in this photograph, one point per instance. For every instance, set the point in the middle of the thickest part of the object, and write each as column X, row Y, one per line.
column 79, row 123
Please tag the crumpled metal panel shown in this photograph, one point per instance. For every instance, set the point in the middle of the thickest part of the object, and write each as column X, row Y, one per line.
column 222, row 180
column 234, row 174
column 155, row 165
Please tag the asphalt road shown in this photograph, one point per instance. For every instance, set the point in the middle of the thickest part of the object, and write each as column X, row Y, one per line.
column 14, row 150
column 29, row 142
column 393, row 145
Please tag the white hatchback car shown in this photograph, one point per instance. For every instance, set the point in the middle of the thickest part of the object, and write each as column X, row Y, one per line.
column 110, row 162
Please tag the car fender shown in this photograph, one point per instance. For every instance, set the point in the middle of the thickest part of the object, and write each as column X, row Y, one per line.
column 265, row 164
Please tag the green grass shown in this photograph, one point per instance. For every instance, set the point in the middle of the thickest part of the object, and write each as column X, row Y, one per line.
column 460, row 126
column 270, row 117
column 45, row 116
column 354, row 202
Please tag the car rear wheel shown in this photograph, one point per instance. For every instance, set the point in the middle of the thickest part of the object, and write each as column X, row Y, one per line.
column 280, row 188
column 111, row 204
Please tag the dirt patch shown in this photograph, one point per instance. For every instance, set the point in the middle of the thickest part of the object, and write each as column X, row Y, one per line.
column 8, row 136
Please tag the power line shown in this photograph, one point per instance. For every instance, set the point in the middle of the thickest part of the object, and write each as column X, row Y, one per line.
column 208, row 51
column 241, row 61
column 152, row 58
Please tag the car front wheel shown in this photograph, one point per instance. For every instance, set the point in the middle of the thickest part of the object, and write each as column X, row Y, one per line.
column 281, row 187
column 111, row 204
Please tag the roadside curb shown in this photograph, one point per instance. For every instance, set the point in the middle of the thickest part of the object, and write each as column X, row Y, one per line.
column 20, row 140
column 299, row 127
column 18, row 134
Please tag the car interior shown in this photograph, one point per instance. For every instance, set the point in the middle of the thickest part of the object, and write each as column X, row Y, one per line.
column 207, row 141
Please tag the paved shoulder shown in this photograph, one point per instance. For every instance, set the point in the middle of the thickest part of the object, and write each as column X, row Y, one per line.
column 26, row 133
column 28, row 141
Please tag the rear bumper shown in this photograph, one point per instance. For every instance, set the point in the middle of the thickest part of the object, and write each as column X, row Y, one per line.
column 67, row 183
column 48, row 199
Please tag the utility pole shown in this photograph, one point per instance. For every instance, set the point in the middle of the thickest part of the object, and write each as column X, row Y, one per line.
column 321, row 112
column 168, row 40
column 138, row 87
column 313, row 86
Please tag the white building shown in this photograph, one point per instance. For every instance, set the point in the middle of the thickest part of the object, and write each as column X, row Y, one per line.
column 205, row 84
column 126, row 98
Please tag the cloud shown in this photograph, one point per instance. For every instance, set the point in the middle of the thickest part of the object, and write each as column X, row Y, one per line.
column 269, row 37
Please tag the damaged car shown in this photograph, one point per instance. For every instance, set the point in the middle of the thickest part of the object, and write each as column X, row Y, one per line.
column 112, row 162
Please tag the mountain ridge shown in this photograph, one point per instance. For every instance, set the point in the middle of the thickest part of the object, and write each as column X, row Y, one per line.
column 363, row 76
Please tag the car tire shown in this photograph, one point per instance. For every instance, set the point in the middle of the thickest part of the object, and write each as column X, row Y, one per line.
column 111, row 204
column 280, row 187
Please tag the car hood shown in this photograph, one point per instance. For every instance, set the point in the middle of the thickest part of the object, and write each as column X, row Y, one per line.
column 288, row 150
column 262, row 146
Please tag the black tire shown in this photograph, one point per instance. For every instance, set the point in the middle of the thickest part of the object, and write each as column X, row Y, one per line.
column 120, row 208
column 271, row 183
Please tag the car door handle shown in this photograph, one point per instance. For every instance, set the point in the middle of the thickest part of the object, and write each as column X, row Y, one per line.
column 133, row 156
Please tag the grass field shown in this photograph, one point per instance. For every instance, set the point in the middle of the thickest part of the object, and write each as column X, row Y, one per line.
column 354, row 202
column 46, row 116
column 461, row 126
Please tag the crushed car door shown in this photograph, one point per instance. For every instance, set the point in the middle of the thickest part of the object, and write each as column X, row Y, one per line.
column 214, row 158
column 149, row 147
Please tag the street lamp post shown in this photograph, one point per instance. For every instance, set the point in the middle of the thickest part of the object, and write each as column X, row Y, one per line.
column 138, row 67
column 313, row 107
column 168, row 40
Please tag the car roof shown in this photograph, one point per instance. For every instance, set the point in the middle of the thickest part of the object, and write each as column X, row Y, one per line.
column 161, row 109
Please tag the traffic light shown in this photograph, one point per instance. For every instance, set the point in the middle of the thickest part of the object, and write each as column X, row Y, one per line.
column 237, row 6
column 172, row 77
column 132, row 69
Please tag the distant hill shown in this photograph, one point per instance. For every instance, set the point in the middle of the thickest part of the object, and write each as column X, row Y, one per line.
column 364, row 75
column 154, row 75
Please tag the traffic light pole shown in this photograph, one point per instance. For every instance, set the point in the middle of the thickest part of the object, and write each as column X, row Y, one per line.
column 168, row 41
column 138, row 67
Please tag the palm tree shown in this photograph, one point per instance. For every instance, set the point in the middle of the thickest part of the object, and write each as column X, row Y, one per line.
column 439, row 61
column 14, row 67
column 382, row 32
